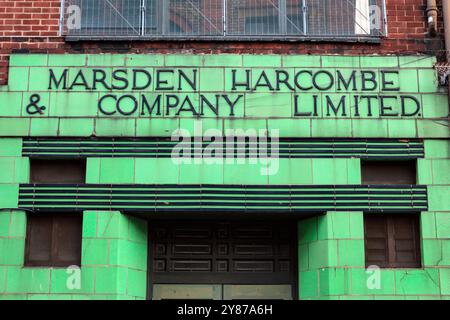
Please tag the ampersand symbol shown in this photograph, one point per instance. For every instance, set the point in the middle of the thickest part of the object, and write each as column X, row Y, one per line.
column 33, row 107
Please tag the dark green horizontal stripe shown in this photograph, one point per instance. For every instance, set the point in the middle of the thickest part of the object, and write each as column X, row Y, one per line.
column 280, row 152
column 223, row 197
column 222, row 186
column 362, row 147
column 221, row 204
column 212, row 197
column 162, row 147
column 228, row 210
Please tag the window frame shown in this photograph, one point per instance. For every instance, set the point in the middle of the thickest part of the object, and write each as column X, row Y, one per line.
column 53, row 260
column 410, row 164
column 162, row 26
column 391, row 250
column 38, row 162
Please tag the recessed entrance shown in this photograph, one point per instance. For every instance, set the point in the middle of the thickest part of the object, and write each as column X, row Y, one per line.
column 222, row 260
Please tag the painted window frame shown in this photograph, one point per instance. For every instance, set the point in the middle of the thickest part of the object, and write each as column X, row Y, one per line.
column 60, row 225
column 363, row 31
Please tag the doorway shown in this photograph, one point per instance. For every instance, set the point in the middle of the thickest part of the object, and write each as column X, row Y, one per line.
column 222, row 260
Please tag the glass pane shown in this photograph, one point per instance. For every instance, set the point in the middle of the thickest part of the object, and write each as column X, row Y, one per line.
column 253, row 17
column 331, row 17
column 184, row 18
column 294, row 17
column 109, row 17
column 153, row 17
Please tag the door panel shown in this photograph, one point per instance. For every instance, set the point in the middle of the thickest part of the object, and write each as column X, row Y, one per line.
column 280, row 292
column 221, row 292
column 186, row 291
column 222, row 260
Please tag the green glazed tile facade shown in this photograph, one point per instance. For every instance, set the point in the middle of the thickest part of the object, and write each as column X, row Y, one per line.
column 331, row 262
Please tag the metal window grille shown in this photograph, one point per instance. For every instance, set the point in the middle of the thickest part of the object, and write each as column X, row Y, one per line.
column 223, row 19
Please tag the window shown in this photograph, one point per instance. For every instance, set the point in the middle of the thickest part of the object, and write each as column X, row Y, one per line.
column 392, row 241
column 388, row 172
column 53, row 240
column 57, row 171
column 234, row 19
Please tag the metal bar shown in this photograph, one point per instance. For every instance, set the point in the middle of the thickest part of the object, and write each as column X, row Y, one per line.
column 61, row 17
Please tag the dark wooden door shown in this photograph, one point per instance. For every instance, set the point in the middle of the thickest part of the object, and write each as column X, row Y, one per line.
column 227, row 259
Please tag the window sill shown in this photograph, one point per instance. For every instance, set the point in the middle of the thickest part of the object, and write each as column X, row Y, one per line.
column 49, row 267
column 362, row 39
column 401, row 268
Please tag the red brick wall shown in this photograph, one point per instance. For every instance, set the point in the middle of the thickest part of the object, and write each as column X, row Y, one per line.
column 32, row 26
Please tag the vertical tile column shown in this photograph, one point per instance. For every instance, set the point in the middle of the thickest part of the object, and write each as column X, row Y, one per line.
column 114, row 252
column 13, row 170
column 435, row 224
column 329, row 246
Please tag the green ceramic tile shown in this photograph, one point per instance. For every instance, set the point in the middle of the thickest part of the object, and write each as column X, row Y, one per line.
column 364, row 282
column 44, row 127
column 369, row 128
column 262, row 61
column 137, row 281
column 212, row 79
column 9, row 195
column 10, row 104
column 419, row 61
column 115, row 127
column 331, row 128
column 308, row 284
column 201, row 174
column 443, row 225
column 76, row 127
column 119, row 170
column 18, row 78
column 351, row 253
column 89, row 224
column 156, row 171
column 10, row 147
column 181, row 60
column 432, row 129
column 379, row 62
column 74, row 104
column 95, row 252
column 156, row 127
column 293, row 172
column 437, row 149
column 268, row 104
column 222, row 60
column 28, row 280
column 66, row 60
column 291, row 127
column 428, row 80
column 438, row 199
column 407, row 80
column 28, row 60
column 412, row 282
column 402, row 128
column 13, row 251
column 341, row 61
column 428, row 225
column 298, row 61
column 307, row 230
column 144, row 60
column 435, row 106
